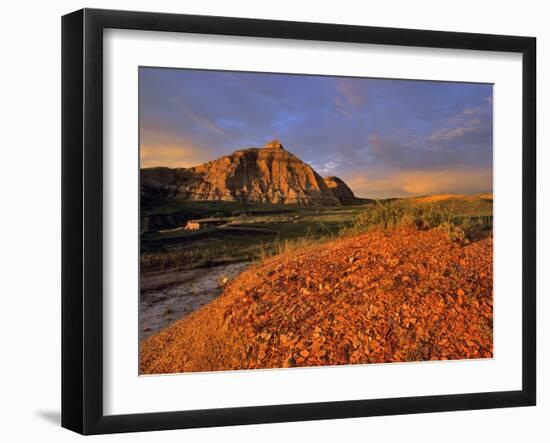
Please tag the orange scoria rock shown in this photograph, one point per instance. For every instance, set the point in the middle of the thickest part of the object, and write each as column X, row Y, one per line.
column 407, row 295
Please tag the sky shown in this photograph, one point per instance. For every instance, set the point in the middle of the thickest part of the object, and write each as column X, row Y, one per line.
column 383, row 137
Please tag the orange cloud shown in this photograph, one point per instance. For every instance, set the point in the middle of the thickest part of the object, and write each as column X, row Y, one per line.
column 160, row 149
column 416, row 183
column 353, row 91
column 172, row 156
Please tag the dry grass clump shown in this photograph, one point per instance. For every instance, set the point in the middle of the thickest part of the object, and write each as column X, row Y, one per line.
column 393, row 214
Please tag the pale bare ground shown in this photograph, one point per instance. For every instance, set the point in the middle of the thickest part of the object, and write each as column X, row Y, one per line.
column 170, row 296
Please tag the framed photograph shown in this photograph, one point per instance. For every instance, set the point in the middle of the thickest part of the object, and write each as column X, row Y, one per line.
column 268, row 221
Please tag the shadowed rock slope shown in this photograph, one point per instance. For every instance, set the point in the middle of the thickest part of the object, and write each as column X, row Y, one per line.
column 340, row 190
column 266, row 175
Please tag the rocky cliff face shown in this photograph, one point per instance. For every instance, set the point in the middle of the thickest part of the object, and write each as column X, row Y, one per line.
column 268, row 175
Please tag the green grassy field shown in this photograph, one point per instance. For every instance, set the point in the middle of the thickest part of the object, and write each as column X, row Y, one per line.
column 253, row 231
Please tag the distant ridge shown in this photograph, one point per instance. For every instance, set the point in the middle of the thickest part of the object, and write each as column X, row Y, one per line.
column 445, row 197
column 269, row 174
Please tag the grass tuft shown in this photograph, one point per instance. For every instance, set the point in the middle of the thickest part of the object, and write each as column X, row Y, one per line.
column 387, row 215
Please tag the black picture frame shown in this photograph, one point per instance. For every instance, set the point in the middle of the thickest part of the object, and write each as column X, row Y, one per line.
column 82, row 219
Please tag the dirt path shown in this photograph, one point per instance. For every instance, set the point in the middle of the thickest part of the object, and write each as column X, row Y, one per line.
column 168, row 297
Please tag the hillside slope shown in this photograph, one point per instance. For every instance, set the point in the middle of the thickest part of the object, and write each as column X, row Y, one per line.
column 452, row 197
column 340, row 190
column 400, row 295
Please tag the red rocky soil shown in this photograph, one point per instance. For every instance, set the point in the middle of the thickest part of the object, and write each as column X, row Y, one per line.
column 384, row 296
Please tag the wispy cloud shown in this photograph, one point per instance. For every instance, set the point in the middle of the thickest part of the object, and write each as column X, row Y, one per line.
column 199, row 119
column 468, row 141
column 471, row 111
column 342, row 108
column 353, row 90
